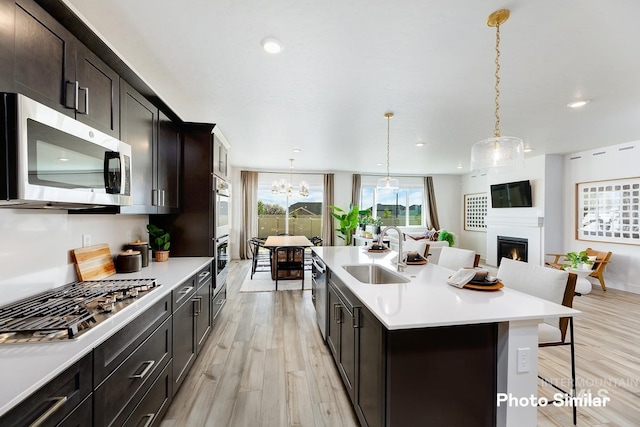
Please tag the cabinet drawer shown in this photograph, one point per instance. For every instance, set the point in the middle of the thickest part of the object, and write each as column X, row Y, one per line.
column 205, row 275
column 155, row 402
column 184, row 292
column 55, row 400
column 116, row 349
column 82, row 416
column 218, row 302
column 136, row 373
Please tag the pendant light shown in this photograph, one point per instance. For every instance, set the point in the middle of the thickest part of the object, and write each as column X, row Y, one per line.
column 283, row 187
column 387, row 182
column 497, row 151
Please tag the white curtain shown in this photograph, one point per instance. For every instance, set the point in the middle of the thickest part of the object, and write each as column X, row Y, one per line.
column 249, row 228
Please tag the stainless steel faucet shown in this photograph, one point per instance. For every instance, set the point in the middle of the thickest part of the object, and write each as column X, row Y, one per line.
column 401, row 264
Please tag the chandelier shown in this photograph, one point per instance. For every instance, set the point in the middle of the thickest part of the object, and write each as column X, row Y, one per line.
column 282, row 186
column 497, row 151
column 387, row 182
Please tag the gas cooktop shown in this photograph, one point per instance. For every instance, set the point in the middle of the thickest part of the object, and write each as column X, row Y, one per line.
column 68, row 311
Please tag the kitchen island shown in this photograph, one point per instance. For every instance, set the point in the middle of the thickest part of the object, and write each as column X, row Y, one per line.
column 427, row 352
column 25, row 368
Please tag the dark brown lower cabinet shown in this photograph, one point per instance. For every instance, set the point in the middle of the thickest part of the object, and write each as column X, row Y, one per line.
column 342, row 334
column 56, row 400
column 412, row 377
column 370, row 362
column 122, row 391
column 154, row 403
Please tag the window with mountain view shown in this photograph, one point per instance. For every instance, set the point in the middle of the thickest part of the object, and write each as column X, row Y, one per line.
column 401, row 208
column 305, row 212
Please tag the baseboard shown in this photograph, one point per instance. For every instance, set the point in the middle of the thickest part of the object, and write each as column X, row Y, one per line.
column 621, row 286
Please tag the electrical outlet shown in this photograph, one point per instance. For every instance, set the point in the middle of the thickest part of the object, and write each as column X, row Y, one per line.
column 523, row 359
column 86, row 240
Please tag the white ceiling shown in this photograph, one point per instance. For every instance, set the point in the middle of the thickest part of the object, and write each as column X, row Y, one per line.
column 346, row 63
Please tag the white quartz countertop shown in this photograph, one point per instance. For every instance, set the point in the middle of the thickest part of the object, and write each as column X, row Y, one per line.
column 427, row 300
column 24, row 368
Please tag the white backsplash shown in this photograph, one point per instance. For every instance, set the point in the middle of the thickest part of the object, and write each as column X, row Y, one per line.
column 35, row 246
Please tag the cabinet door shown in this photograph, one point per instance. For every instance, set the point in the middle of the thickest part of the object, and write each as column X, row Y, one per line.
column 138, row 128
column 370, row 369
column 98, row 97
column 167, row 165
column 333, row 332
column 220, row 164
column 347, row 364
column 45, row 61
column 203, row 314
column 184, row 342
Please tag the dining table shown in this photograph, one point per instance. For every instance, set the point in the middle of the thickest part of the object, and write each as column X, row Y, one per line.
column 274, row 242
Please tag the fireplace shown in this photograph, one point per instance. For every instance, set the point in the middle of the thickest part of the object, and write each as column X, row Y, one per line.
column 512, row 247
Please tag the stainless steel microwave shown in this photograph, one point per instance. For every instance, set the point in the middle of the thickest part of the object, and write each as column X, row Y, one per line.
column 52, row 160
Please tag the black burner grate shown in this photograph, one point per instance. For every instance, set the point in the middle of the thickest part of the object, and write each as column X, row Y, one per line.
column 63, row 312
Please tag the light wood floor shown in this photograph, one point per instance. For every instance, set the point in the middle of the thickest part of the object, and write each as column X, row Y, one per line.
column 266, row 365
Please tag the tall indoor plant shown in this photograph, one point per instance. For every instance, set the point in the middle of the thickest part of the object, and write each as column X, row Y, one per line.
column 347, row 220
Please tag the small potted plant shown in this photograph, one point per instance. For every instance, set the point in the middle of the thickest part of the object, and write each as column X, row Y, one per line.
column 448, row 237
column 578, row 260
column 159, row 242
column 376, row 223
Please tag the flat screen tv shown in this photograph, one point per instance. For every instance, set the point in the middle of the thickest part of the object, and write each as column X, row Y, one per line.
column 511, row 195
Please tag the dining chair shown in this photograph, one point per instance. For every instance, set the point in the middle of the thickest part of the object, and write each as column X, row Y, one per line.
column 456, row 258
column 260, row 259
column 289, row 263
column 552, row 285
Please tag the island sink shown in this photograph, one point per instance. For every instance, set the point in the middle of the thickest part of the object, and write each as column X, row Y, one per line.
column 374, row 274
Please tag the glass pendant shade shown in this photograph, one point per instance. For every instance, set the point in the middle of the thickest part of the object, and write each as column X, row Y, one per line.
column 388, row 183
column 497, row 152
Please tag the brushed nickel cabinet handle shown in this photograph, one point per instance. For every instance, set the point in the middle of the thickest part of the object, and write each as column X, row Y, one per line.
column 197, row 311
column 185, row 290
column 150, row 418
column 42, row 419
column 145, row 371
column 86, row 100
column 356, row 317
column 337, row 312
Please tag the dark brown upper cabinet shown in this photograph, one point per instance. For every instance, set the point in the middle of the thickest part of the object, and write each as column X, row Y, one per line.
column 156, row 144
column 54, row 68
column 168, row 160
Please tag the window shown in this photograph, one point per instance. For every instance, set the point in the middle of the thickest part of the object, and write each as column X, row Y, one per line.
column 304, row 214
column 402, row 208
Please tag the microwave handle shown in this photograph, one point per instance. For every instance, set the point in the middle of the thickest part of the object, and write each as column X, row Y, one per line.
column 112, row 181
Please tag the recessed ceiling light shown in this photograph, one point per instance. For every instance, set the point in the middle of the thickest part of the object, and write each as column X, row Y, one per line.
column 528, row 150
column 297, row 150
column 419, row 144
column 63, row 159
column 272, row 45
column 378, row 164
column 578, row 104
column 459, row 166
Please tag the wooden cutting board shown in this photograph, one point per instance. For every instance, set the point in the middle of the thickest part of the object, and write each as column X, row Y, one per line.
column 93, row 262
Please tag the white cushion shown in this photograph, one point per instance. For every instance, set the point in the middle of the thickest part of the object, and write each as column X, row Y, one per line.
column 548, row 333
column 456, row 258
column 541, row 282
column 410, row 245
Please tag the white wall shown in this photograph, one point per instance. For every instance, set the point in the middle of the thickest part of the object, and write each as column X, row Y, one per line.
column 534, row 171
column 595, row 165
column 35, row 245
